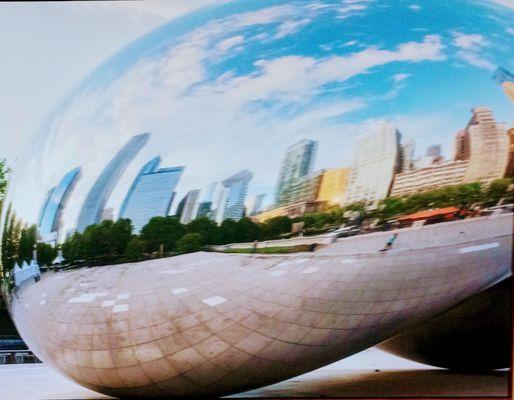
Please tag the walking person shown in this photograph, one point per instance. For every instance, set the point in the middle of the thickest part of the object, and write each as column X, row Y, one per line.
column 390, row 242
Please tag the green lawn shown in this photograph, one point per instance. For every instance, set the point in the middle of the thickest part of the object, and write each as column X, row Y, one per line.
column 272, row 250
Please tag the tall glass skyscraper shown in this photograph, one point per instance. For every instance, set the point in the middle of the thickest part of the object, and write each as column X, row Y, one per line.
column 97, row 197
column 297, row 163
column 254, row 204
column 232, row 198
column 206, row 200
column 187, row 208
column 151, row 194
column 149, row 167
column 55, row 202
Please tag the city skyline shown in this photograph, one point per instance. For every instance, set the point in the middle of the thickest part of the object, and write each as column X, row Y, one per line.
column 253, row 111
column 477, row 156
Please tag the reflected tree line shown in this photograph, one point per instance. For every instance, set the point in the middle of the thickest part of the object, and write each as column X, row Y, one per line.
column 111, row 242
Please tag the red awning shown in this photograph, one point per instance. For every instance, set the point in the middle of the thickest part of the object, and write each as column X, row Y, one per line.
column 425, row 214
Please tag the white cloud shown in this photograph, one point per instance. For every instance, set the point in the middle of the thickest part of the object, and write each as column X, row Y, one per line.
column 398, row 86
column 510, row 31
column 317, row 6
column 393, row 93
column 350, row 43
column 415, row 7
column 474, row 59
column 293, row 77
column 227, row 44
column 350, row 10
column 469, row 41
column 289, row 27
column 505, row 3
column 400, row 77
column 31, row 84
column 470, row 49
column 264, row 16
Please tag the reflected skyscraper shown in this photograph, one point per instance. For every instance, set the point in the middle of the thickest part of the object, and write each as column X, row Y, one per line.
column 377, row 158
column 488, row 146
column 49, row 218
column 297, row 163
column 150, row 166
column 254, row 204
column 151, row 193
column 434, row 151
column 506, row 80
column 407, row 153
column 97, row 197
column 205, row 201
column 231, row 201
column 188, row 206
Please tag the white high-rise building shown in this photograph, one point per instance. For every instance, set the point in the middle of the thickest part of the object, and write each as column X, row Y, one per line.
column 377, row 158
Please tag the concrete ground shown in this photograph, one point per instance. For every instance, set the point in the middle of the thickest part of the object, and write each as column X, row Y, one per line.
column 371, row 373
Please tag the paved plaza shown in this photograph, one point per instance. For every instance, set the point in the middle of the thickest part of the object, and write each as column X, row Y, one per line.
column 367, row 374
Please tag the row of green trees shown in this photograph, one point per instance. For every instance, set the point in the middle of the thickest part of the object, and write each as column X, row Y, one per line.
column 19, row 242
column 111, row 242
column 4, row 174
column 462, row 195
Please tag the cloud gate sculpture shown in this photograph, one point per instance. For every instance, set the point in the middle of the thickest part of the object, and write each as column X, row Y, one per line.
column 261, row 124
column 208, row 323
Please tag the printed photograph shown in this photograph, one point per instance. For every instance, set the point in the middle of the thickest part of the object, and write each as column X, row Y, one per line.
column 256, row 199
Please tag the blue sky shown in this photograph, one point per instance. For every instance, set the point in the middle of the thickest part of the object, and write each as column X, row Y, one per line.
column 230, row 88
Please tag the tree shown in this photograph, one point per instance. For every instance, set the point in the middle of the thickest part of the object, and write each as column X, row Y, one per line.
column 228, row 231
column 467, row 194
column 74, row 248
column 162, row 230
column 28, row 239
column 189, row 243
column 274, row 227
column 497, row 190
column 247, row 230
column 98, row 242
column 4, row 175
column 121, row 235
column 315, row 220
column 101, row 243
column 207, row 228
column 135, row 249
column 45, row 253
column 391, row 207
column 10, row 239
